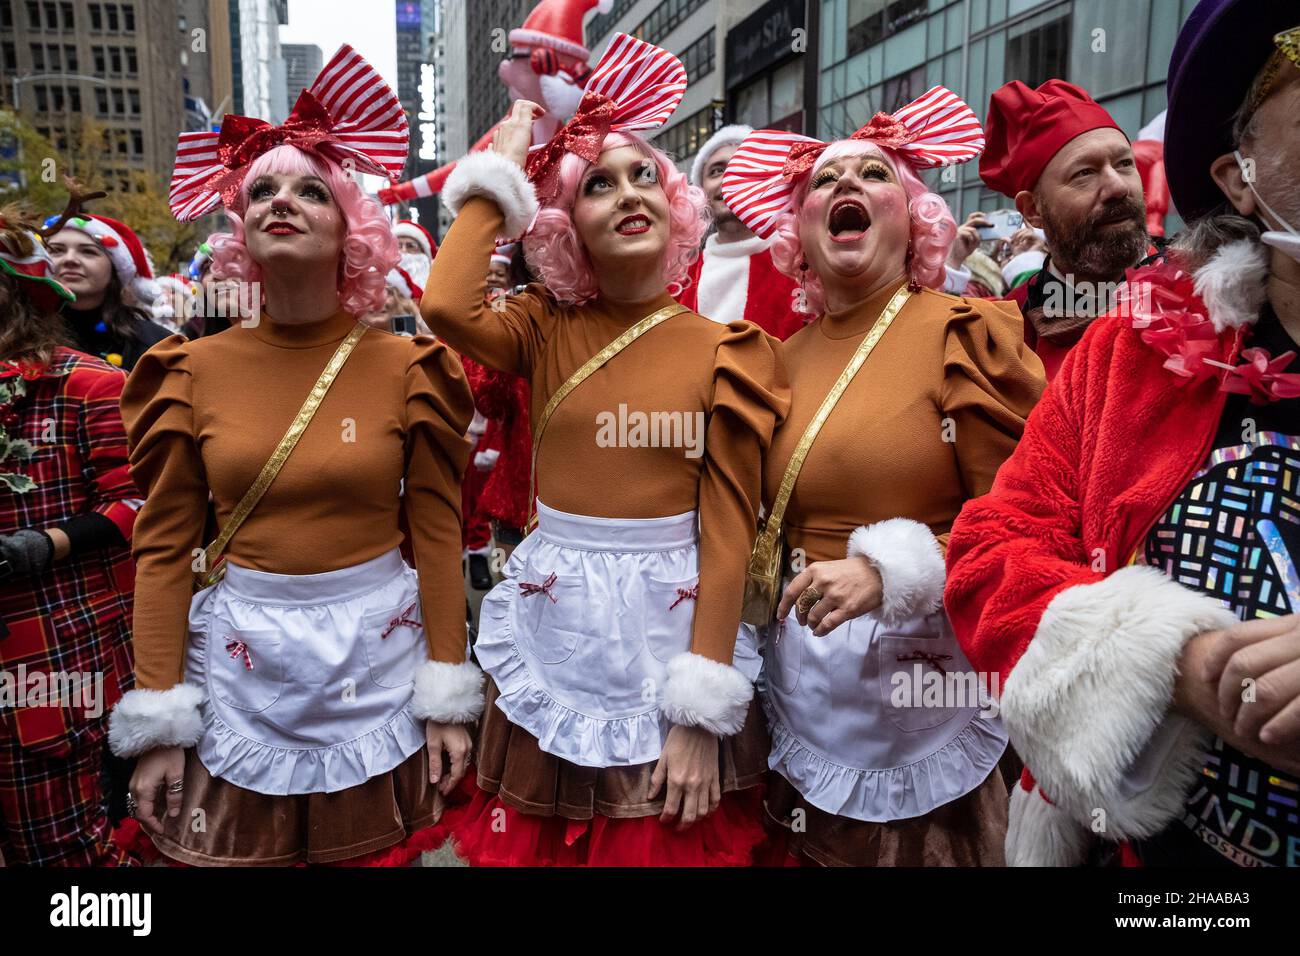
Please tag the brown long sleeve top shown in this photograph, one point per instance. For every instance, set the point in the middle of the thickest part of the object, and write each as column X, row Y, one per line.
column 730, row 377
column 204, row 416
column 923, row 426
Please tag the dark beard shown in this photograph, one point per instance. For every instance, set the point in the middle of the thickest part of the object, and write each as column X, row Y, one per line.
column 1084, row 249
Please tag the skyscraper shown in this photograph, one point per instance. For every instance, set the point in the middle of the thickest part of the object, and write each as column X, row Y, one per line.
column 420, row 87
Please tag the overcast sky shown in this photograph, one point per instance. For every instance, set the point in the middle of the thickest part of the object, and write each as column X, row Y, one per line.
column 369, row 25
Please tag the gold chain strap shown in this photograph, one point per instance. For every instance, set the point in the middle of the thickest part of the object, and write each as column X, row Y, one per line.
column 215, row 569
column 764, row 572
column 580, row 376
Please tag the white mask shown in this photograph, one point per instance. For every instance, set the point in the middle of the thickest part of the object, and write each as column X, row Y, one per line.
column 1286, row 240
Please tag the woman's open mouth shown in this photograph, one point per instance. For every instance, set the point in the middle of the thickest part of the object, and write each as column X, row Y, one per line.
column 849, row 221
column 633, row 226
column 283, row 229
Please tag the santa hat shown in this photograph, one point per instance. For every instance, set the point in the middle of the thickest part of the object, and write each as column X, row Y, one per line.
column 504, row 254
column 557, row 25
column 1026, row 128
column 407, row 229
column 727, row 136
column 400, row 281
column 124, row 251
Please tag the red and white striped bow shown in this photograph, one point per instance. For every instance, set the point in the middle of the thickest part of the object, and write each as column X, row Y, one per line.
column 937, row 129
column 635, row 86
column 349, row 115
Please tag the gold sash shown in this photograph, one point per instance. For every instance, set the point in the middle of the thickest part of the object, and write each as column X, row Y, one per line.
column 763, row 576
column 580, row 376
column 214, row 568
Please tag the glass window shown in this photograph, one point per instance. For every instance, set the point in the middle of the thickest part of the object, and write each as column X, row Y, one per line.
column 787, row 92
column 128, row 18
column 101, row 101
column 132, row 64
column 1039, row 53
column 101, row 64
column 57, row 98
column 901, row 90
column 33, row 15
column 74, row 99
column 42, row 100
column 137, row 142
column 51, row 15
column 866, row 24
column 1109, row 47
column 66, row 15
column 38, row 58
column 6, row 14
column 96, row 18
column 70, row 57
column 119, row 102
column 111, row 10
column 115, row 60
column 751, row 104
column 133, row 97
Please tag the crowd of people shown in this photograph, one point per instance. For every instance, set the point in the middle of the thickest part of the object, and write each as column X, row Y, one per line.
column 816, row 528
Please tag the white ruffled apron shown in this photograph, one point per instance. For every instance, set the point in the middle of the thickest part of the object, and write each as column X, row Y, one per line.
column 308, row 678
column 858, row 725
column 579, row 634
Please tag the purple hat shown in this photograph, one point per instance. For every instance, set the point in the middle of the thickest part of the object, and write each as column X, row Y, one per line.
column 1221, row 48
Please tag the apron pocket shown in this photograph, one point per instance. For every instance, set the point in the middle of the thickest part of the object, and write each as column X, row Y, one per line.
column 916, row 684
column 668, row 613
column 394, row 642
column 245, row 667
column 783, row 655
column 551, row 614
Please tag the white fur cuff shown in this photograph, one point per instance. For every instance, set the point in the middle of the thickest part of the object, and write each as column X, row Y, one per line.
column 448, row 693
column 1092, row 689
column 910, row 563
column 145, row 720
column 704, row 693
column 1039, row 834
column 492, row 175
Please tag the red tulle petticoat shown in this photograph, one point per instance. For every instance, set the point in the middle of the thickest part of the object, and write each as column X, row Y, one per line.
column 131, row 838
column 487, row 832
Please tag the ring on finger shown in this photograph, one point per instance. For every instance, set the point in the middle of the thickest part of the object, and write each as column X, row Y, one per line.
column 809, row 597
column 176, row 786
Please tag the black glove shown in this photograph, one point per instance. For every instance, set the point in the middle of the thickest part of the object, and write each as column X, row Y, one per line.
column 25, row 552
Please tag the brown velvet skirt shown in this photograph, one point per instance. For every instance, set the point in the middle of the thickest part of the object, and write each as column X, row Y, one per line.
column 969, row 831
column 221, row 824
column 516, row 769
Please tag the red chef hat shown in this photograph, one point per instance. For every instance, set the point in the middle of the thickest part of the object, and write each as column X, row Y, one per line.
column 1026, row 128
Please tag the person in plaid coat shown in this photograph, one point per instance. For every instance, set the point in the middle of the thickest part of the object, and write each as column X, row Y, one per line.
column 67, row 506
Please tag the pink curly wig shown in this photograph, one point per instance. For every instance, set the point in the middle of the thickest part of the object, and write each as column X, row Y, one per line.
column 555, row 251
column 933, row 226
column 369, row 246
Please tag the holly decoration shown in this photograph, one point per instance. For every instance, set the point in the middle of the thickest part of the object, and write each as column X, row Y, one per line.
column 14, row 377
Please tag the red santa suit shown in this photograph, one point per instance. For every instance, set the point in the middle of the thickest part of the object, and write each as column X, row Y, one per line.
column 738, row 280
column 1043, row 590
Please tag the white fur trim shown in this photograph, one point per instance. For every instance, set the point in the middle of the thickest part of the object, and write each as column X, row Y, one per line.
column 1039, row 834
column 726, row 136
column 1093, row 688
column 704, row 693
column 448, row 693
column 1231, row 284
column 492, row 175
column 910, row 563
column 561, row 96
column 145, row 720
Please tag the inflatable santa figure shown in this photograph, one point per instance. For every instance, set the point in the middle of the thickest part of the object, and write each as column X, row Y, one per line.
column 547, row 65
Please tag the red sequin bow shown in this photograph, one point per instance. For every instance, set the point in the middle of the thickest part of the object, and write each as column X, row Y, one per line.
column 238, row 648
column 936, row 129
column 635, row 86
column 350, row 115
column 401, row 619
column 544, row 588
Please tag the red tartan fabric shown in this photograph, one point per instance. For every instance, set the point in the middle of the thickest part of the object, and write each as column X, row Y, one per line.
column 73, row 618
column 54, row 808
column 505, row 398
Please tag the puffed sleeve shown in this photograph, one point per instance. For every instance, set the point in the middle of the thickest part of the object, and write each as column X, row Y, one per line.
column 991, row 382
column 165, row 464
column 438, row 411
column 751, row 397
column 157, row 410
